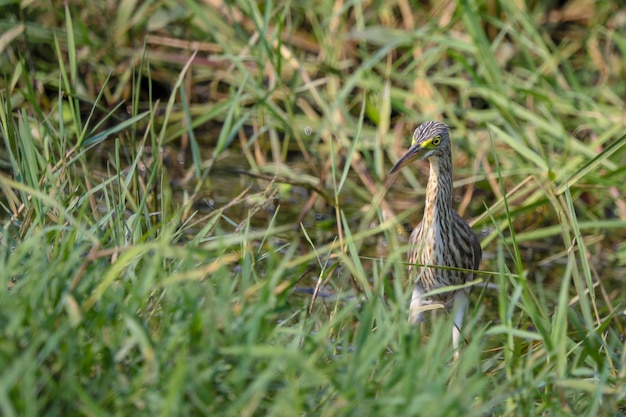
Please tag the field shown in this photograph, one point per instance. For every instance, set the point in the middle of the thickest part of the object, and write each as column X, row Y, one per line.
column 197, row 218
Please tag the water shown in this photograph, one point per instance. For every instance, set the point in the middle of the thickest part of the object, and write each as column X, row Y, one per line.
column 289, row 200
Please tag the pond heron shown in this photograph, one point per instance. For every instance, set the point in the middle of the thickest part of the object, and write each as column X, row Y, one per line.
column 442, row 238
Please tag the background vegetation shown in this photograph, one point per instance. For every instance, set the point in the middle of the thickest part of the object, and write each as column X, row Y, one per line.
column 193, row 219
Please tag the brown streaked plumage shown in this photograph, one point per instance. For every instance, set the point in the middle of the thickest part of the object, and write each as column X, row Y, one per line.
column 442, row 238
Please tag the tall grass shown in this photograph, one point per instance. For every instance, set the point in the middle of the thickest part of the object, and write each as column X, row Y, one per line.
column 196, row 220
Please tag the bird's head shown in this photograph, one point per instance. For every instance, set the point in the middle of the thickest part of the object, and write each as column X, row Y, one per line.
column 429, row 139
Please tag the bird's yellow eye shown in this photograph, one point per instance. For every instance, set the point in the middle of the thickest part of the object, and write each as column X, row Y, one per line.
column 436, row 140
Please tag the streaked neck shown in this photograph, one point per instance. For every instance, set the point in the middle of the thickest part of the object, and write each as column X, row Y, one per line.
column 439, row 190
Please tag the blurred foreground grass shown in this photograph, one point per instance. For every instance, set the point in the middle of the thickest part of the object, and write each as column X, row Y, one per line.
column 173, row 172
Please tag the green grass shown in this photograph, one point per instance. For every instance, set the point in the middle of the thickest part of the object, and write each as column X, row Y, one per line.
column 134, row 285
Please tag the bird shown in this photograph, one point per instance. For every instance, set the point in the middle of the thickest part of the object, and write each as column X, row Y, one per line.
column 442, row 238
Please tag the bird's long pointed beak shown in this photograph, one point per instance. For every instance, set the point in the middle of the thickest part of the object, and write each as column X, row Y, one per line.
column 415, row 152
